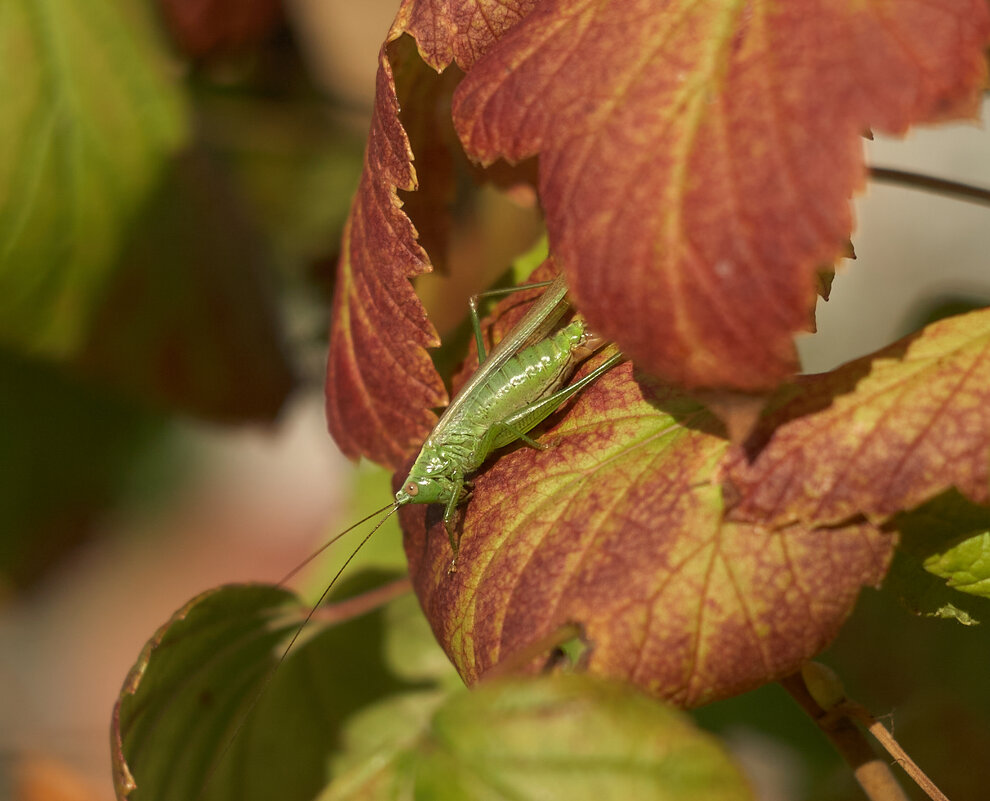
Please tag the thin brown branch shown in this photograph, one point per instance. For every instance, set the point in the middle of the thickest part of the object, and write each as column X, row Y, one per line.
column 872, row 773
column 929, row 183
column 861, row 714
column 363, row 603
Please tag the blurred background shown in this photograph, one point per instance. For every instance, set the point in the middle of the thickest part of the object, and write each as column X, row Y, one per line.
column 174, row 178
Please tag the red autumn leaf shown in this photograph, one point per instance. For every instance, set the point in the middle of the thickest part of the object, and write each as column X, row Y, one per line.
column 697, row 159
column 879, row 435
column 460, row 31
column 201, row 27
column 188, row 321
column 715, row 167
column 381, row 384
column 618, row 527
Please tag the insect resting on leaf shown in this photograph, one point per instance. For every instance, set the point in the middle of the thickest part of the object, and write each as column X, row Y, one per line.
column 518, row 385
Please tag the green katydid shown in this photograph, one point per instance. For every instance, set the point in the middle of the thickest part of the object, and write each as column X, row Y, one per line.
column 518, row 385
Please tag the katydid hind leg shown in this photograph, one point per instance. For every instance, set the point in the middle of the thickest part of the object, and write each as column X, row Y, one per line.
column 531, row 415
column 502, row 433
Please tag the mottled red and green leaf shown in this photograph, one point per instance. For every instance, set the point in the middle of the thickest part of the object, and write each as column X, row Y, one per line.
column 879, row 435
column 618, row 527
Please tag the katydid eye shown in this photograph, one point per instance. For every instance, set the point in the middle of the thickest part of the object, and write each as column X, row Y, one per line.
column 412, row 489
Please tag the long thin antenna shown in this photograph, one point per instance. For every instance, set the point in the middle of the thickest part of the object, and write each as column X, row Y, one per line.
column 326, row 592
column 288, row 576
column 392, row 507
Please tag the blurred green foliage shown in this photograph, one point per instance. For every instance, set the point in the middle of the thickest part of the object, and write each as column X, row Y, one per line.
column 164, row 230
column 90, row 117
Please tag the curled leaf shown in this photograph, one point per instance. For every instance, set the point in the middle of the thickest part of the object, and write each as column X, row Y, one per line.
column 460, row 31
column 381, row 384
column 877, row 436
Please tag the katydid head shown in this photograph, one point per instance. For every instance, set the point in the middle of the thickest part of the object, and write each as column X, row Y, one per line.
column 420, row 489
column 429, row 479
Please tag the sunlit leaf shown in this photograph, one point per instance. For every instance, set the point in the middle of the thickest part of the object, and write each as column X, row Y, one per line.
column 617, row 527
column 966, row 565
column 877, row 436
column 942, row 553
column 460, row 31
column 696, row 163
column 381, row 384
column 697, row 158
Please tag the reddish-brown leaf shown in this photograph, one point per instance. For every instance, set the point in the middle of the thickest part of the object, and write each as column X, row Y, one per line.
column 697, row 159
column 189, row 322
column 618, row 527
column 201, row 27
column 877, row 436
column 381, row 384
column 457, row 30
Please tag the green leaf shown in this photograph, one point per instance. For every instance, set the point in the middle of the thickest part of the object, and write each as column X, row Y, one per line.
column 179, row 728
column 966, row 565
column 944, row 551
column 89, row 117
column 557, row 737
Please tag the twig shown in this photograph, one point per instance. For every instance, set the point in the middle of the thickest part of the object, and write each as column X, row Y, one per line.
column 872, row 773
column 363, row 603
column 859, row 713
column 820, row 693
column 929, row 183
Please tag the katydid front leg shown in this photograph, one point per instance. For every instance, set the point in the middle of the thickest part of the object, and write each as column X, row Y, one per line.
column 450, row 516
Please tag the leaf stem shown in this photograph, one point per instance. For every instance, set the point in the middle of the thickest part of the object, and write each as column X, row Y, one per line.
column 862, row 715
column 929, row 183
